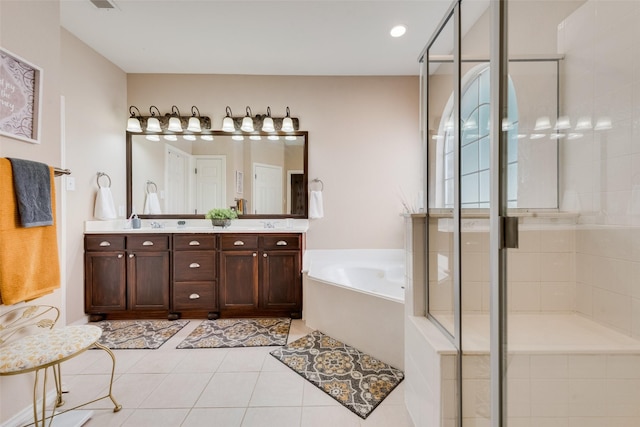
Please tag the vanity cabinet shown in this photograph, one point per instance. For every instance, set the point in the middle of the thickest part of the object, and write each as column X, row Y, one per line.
column 260, row 275
column 126, row 276
column 194, row 288
column 195, row 275
column 280, row 274
column 148, row 272
column 105, row 274
column 238, row 273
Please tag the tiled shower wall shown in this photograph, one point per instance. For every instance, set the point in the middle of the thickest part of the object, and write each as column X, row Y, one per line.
column 600, row 167
column 541, row 272
column 608, row 276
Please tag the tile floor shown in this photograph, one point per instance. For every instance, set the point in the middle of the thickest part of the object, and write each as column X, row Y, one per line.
column 212, row 387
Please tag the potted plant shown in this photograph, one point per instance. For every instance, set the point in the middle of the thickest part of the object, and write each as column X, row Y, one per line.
column 221, row 217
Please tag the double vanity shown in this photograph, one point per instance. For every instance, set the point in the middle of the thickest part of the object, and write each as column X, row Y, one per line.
column 252, row 268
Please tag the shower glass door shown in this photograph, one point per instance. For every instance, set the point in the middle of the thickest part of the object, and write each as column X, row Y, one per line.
column 475, row 199
column 442, row 153
column 573, row 344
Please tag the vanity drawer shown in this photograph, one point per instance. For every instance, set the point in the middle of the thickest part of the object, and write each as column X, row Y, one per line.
column 104, row 242
column 287, row 241
column 195, row 296
column 239, row 241
column 194, row 265
column 193, row 242
column 153, row 242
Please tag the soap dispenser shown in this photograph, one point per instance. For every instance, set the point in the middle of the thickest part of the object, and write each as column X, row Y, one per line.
column 135, row 221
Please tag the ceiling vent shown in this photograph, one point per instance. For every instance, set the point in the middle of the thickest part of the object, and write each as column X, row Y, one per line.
column 103, row 4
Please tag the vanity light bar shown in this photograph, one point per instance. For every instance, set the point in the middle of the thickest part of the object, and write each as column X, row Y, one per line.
column 172, row 122
column 155, row 122
column 260, row 122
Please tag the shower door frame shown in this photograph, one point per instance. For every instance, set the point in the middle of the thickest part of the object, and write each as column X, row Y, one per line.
column 503, row 229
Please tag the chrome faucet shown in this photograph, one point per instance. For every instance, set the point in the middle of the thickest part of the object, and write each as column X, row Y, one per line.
column 156, row 224
column 270, row 224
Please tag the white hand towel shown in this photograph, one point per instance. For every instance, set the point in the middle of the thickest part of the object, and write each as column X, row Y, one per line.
column 152, row 204
column 315, row 205
column 104, row 207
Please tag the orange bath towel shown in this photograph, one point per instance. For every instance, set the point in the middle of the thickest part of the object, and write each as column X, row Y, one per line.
column 29, row 266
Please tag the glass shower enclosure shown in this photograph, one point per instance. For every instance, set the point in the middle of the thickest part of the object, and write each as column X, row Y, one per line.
column 533, row 260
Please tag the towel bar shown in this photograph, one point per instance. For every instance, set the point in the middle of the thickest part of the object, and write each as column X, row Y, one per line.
column 100, row 175
column 318, row 180
column 59, row 171
column 152, row 184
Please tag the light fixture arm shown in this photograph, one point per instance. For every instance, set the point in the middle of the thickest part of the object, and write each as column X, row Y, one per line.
column 151, row 111
column 132, row 113
column 174, row 111
column 195, row 112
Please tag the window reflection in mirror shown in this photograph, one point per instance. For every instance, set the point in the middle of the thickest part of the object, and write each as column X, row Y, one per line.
column 187, row 175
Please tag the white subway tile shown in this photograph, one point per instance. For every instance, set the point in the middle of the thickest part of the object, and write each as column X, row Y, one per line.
column 587, row 366
column 549, row 366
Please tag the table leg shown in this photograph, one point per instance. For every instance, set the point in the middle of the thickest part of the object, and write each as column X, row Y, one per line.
column 117, row 406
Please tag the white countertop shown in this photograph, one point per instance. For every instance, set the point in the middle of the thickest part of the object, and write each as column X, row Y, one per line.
column 198, row 226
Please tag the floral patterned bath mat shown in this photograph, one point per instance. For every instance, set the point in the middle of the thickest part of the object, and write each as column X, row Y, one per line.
column 138, row 334
column 355, row 379
column 221, row 333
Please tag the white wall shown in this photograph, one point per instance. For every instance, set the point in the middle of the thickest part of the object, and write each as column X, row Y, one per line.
column 30, row 29
column 95, row 115
column 363, row 140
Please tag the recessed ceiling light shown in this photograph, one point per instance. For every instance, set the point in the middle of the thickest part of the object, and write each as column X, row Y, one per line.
column 398, row 31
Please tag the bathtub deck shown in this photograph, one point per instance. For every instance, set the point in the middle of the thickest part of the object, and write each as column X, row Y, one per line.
column 546, row 333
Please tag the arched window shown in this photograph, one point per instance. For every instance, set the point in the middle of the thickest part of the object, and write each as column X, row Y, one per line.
column 475, row 151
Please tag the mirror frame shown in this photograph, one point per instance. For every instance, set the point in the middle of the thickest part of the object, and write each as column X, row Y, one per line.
column 129, row 167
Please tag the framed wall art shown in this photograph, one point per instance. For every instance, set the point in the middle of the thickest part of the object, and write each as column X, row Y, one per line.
column 20, row 98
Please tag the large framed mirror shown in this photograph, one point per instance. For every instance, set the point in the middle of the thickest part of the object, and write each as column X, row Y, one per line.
column 185, row 175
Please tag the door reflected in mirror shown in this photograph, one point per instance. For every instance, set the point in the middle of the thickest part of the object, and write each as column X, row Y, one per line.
column 187, row 175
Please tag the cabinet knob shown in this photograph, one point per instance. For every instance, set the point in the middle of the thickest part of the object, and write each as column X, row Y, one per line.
column 194, row 296
column 194, row 243
column 147, row 243
column 120, row 255
column 131, row 255
column 238, row 243
column 105, row 243
column 264, row 255
column 194, row 265
column 255, row 254
column 281, row 243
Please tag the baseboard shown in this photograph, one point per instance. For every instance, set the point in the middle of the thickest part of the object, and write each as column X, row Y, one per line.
column 74, row 418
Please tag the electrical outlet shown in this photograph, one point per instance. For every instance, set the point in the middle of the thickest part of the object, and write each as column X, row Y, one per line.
column 71, row 183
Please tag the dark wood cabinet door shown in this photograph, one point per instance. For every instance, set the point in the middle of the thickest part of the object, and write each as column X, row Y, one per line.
column 105, row 282
column 148, row 280
column 281, row 280
column 238, row 280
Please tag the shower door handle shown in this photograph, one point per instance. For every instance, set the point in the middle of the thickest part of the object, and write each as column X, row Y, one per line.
column 509, row 232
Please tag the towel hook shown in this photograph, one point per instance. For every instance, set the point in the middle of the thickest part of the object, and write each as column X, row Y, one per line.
column 100, row 175
column 153, row 184
column 318, row 180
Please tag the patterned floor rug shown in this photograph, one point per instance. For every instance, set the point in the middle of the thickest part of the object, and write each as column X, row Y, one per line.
column 221, row 333
column 355, row 379
column 138, row 334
